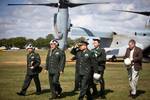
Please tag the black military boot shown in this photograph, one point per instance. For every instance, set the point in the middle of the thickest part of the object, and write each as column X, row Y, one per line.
column 21, row 93
column 38, row 92
column 59, row 91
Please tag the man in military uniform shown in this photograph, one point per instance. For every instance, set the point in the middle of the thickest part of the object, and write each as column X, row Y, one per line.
column 55, row 63
column 33, row 63
column 100, row 60
column 77, row 78
column 83, row 62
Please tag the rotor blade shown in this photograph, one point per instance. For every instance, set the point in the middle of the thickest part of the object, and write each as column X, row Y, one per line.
column 46, row 4
column 81, row 4
column 88, row 32
column 145, row 13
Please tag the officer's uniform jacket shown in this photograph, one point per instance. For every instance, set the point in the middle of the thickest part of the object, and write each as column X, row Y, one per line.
column 100, row 58
column 55, row 61
column 33, row 59
column 83, row 61
column 137, row 57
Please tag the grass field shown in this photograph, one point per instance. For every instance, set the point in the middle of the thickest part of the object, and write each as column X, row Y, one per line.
column 13, row 69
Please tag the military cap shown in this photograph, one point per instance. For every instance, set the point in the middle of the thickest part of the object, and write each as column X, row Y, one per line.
column 83, row 42
column 29, row 46
column 55, row 42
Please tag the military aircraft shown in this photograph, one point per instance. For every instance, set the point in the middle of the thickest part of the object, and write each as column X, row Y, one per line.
column 62, row 23
column 116, row 43
column 142, row 38
column 120, row 43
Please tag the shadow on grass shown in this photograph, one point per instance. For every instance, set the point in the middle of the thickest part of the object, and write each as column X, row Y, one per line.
column 70, row 94
column 99, row 96
column 63, row 94
column 42, row 92
column 45, row 91
column 140, row 92
column 73, row 93
column 107, row 91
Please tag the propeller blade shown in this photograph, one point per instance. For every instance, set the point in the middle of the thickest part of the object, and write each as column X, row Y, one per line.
column 59, row 35
column 145, row 13
column 46, row 4
column 55, row 24
column 81, row 4
column 88, row 32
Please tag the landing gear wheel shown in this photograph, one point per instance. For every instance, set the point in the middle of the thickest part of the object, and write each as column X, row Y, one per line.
column 113, row 59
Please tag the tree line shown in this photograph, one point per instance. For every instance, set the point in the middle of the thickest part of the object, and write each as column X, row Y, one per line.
column 40, row 42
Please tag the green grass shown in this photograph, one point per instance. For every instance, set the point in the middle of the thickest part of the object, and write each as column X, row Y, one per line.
column 13, row 68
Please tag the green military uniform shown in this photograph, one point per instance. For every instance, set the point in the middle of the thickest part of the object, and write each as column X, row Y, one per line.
column 55, row 63
column 33, row 59
column 99, row 67
column 83, row 64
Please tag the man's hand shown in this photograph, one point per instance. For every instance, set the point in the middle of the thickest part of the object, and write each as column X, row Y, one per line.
column 131, row 59
column 31, row 67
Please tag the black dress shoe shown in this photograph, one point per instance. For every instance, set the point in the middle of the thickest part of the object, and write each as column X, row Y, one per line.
column 60, row 91
column 133, row 96
column 21, row 94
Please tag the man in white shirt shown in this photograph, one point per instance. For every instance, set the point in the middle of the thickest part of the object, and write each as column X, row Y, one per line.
column 135, row 55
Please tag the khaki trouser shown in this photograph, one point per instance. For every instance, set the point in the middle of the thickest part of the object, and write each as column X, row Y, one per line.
column 133, row 79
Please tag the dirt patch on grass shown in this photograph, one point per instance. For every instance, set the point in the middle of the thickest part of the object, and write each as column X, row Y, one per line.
column 13, row 62
column 24, row 62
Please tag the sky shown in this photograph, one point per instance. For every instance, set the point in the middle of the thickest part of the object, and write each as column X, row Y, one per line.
column 34, row 22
